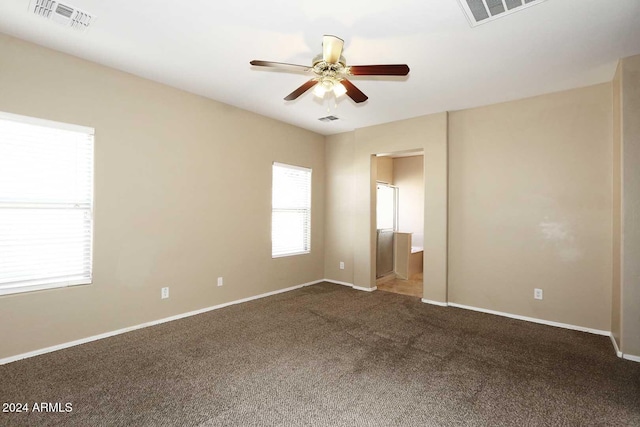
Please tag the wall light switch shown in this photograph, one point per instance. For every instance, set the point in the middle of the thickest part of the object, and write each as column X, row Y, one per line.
column 220, row 281
column 341, row 265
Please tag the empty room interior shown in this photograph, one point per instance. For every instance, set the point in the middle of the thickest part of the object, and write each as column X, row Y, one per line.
column 438, row 225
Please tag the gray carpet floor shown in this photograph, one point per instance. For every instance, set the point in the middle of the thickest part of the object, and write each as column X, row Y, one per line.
column 327, row 355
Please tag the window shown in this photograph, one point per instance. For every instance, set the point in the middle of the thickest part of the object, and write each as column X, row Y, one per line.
column 46, row 204
column 291, row 210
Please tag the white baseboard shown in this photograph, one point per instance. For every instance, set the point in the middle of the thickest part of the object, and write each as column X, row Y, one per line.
column 360, row 288
column 631, row 357
column 279, row 291
column 146, row 324
column 615, row 346
column 534, row 320
column 337, row 282
column 622, row 355
column 440, row 303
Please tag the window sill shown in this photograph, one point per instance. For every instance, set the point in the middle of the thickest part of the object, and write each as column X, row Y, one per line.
column 42, row 287
column 290, row 254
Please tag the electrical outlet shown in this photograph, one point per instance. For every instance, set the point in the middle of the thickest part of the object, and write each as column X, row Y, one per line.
column 341, row 265
column 164, row 293
column 537, row 293
column 220, row 281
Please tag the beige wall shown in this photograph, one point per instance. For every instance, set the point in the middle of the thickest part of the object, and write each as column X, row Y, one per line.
column 630, row 82
column 384, row 171
column 339, row 153
column 616, row 295
column 408, row 176
column 182, row 196
column 530, row 206
column 428, row 133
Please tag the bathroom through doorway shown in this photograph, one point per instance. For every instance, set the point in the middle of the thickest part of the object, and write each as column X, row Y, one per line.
column 400, row 222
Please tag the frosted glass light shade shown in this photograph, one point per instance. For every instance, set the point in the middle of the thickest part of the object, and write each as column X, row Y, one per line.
column 339, row 89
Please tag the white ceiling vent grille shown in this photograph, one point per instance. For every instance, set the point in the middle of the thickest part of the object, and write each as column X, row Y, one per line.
column 62, row 13
column 481, row 11
column 328, row 119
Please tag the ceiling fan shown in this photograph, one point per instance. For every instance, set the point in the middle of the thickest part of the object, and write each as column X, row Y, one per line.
column 331, row 72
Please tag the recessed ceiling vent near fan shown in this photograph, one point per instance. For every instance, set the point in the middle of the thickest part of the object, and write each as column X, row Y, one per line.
column 62, row 13
column 481, row 11
column 328, row 118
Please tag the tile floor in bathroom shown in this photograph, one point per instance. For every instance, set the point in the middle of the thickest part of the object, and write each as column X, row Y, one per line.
column 411, row 287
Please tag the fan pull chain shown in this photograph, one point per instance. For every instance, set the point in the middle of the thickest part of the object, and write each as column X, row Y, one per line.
column 335, row 104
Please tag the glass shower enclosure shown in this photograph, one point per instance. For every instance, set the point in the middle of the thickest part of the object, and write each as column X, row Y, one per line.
column 387, row 220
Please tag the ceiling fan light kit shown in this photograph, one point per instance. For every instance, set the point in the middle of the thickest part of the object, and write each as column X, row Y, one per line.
column 331, row 72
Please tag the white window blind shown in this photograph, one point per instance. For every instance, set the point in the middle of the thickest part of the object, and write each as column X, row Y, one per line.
column 291, row 210
column 46, row 204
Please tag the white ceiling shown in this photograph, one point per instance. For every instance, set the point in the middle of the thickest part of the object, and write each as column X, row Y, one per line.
column 205, row 46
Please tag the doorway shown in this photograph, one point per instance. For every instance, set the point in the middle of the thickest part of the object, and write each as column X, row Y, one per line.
column 400, row 222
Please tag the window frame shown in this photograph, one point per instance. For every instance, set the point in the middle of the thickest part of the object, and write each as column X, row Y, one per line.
column 89, row 131
column 307, row 250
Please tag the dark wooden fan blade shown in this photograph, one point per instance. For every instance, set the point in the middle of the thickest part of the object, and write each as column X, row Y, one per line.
column 280, row 65
column 302, row 89
column 353, row 92
column 379, row 70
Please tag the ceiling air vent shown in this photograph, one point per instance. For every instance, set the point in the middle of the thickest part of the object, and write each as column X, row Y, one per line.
column 328, row 119
column 62, row 13
column 481, row 11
